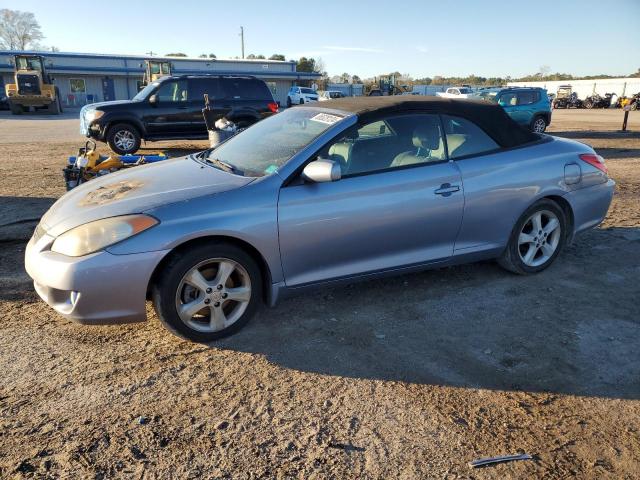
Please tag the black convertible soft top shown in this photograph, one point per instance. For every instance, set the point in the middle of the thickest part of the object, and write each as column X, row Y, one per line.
column 488, row 116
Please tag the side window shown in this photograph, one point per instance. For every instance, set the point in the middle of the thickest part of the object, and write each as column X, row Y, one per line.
column 527, row 97
column 466, row 138
column 200, row 86
column 508, row 99
column 392, row 142
column 175, row 91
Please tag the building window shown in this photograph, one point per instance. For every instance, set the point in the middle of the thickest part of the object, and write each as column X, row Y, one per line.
column 77, row 85
column 272, row 87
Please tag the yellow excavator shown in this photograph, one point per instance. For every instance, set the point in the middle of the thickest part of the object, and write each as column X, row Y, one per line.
column 153, row 70
column 33, row 87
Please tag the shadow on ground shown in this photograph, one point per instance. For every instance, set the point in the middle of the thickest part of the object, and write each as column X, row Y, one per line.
column 605, row 134
column 573, row 329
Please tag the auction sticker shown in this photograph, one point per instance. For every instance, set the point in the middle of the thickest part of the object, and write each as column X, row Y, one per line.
column 326, row 118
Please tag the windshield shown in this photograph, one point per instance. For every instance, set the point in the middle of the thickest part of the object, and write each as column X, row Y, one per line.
column 145, row 92
column 465, row 90
column 308, row 90
column 266, row 146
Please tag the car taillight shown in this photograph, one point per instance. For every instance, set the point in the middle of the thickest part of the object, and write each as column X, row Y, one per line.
column 595, row 160
column 273, row 106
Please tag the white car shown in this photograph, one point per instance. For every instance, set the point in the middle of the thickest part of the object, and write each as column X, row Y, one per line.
column 456, row 92
column 329, row 95
column 301, row 95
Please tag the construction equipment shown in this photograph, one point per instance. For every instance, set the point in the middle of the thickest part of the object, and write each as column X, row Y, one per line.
column 89, row 164
column 385, row 85
column 153, row 70
column 33, row 87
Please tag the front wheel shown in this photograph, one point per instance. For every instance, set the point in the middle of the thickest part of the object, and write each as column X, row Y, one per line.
column 539, row 125
column 123, row 139
column 588, row 104
column 208, row 292
column 288, row 102
column 536, row 240
column 302, row 101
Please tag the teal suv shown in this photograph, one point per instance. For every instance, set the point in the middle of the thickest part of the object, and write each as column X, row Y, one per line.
column 528, row 106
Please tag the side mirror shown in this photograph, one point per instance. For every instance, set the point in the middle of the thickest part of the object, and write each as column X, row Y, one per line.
column 321, row 170
column 153, row 99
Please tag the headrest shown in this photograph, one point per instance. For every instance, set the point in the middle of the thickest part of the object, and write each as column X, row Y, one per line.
column 427, row 136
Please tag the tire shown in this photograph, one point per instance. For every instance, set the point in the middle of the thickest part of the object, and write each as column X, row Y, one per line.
column 288, row 102
column 539, row 124
column 54, row 107
column 219, row 315
column 123, row 139
column 634, row 106
column 16, row 109
column 588, row 104
column 302, row 101
column 515, row 257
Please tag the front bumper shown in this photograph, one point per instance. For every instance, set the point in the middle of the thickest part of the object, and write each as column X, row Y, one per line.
column 100, row 288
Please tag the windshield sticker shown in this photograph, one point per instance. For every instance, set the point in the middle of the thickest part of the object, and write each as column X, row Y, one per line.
column 271, row 169
column 326, row 118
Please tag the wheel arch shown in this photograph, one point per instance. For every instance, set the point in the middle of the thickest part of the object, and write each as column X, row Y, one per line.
column 135, row 123
column 265, row 271
column 568, row 212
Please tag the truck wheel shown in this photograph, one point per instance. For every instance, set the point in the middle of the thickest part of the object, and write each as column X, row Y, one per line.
column 207, row 292
column 123, row 139
column 588, row 104
column 54, row 107
column 15, row 109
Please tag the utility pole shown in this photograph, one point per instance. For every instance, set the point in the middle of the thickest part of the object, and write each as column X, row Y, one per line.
column 151, row 53
column 242, row 40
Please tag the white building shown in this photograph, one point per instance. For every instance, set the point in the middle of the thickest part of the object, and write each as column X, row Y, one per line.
column 85, row 77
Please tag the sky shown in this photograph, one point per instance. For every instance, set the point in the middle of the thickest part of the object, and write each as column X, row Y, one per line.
column 420, row 38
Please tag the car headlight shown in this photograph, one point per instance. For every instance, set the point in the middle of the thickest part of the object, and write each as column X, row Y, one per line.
column 94, row 236
column 92, row 115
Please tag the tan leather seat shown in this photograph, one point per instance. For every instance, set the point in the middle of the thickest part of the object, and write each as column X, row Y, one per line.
column 428, row 144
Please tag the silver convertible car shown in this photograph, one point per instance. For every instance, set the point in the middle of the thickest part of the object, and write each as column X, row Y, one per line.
column 314, row 196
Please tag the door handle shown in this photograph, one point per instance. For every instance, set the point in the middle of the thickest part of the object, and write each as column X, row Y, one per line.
column 446, row 189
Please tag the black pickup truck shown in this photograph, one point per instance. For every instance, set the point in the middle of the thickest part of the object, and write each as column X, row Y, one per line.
column 171, row 109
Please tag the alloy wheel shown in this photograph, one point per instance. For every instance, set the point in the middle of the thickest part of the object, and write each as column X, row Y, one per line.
column 539, row 125
column 539, row 238
column 124, row 140
column 213, row 295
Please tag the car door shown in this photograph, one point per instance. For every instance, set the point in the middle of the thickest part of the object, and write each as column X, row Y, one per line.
column 527, row 100
column 509, row 102
column 401, row 208
column 198, row 87
column 169, row 114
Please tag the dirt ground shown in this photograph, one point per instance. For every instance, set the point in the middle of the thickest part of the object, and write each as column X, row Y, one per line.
column 410, row 377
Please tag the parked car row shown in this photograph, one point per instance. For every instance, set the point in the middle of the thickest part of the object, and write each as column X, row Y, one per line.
column 528, row 106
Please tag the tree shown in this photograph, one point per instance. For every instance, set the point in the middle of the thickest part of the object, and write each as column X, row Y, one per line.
column 251, row 56
column 306, row 65
column 19, row 30
column 356, row 79
column 277, row 56
column 179, row 54
column 204, row 55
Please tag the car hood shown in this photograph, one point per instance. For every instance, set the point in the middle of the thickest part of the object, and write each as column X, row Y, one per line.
column 106, row 105
column 136, row 190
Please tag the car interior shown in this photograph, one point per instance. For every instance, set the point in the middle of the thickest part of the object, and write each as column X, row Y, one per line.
column 407, row 140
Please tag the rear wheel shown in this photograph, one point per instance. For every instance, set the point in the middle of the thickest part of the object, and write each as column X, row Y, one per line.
column 302, row 101
column 588, row 104
column 536, row 240
column 208, row 292
column 288, row 101
column 539, row 124
column 123, row 139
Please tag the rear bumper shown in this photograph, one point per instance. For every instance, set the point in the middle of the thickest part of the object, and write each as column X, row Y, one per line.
column 590, row 205
column 100, row 288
